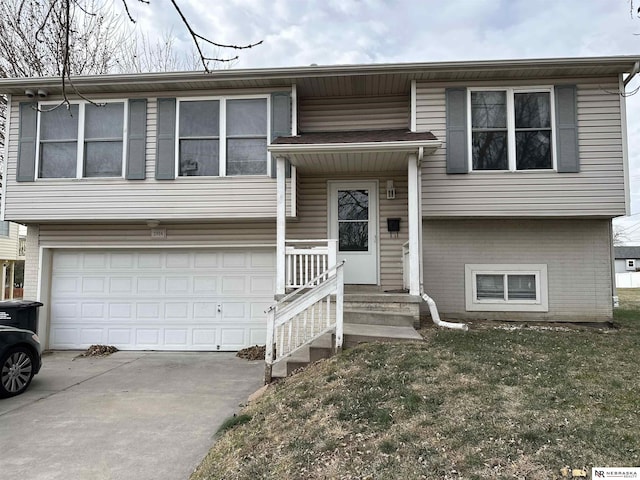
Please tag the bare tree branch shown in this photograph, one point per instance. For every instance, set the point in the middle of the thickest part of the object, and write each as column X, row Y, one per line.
column 196, row 37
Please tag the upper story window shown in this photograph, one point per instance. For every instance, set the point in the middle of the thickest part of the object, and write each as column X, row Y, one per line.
column 225, row 136
column 511, row 129
column 85, row 140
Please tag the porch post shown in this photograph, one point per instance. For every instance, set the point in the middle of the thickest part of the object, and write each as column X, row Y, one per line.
column 12, row 277
column 414, row 226
column 281, row 215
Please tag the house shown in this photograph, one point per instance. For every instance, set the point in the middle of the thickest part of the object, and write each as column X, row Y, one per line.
column 627, row 259
column 12, row 257
column 166, row 210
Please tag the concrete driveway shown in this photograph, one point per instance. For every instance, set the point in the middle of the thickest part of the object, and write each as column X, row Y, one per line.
column 131, row 415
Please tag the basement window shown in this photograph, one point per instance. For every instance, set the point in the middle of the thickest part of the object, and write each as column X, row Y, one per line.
column 506, row 287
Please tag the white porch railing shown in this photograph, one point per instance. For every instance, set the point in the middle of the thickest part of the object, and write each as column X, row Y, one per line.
column 304, row 315
column 308, row 259
column 406, row 266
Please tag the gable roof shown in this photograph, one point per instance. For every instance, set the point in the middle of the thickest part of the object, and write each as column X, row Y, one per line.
column 627, row 252
column 372, row 79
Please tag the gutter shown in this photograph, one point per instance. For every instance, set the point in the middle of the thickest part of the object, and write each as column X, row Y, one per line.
column 633, row 73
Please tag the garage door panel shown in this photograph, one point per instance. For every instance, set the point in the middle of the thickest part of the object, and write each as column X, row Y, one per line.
column 120, row 285
column 207, row 285
column 205, row 260
column 178, row 260
column 149, row 260
column 176, row 337
column 161, row 300
column 234, row 260
column 233, row 285
column 121, row 261
column 94, row 261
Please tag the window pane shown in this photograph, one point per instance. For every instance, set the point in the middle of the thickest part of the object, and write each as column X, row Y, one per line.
column 199, row 158
column 58, row 160
column 490, row 286
column 246, row 156
column 533, row 110
column 353, row 236
column 489, row 151
column 489, row 109
column 247, row 117
column 103, row 159
column 59, row 124
column 200, row 119
column 522, row 287
column 4, row 228
column 533, row 150
column 104, row 121
column 353, row 205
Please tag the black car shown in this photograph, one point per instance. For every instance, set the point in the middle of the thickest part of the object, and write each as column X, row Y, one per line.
column 20, row 360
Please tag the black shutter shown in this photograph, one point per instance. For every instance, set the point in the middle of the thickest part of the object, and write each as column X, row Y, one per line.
column 457, row 148
column 26, row 171
column 136, row 139
column 166, row 141
column 567, row 129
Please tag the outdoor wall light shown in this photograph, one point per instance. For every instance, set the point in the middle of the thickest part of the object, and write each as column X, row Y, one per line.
column 153, row 223
column 42, row 93
column 30, row 93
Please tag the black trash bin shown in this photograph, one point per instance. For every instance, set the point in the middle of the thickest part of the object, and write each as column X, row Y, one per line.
column 20, row 314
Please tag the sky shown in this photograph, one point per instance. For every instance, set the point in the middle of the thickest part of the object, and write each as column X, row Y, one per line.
column 330, row 32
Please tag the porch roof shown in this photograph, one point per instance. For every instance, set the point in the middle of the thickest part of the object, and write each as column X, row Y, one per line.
column 354, row 151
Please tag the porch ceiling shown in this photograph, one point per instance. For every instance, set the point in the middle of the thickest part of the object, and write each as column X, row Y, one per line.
column 353, row 152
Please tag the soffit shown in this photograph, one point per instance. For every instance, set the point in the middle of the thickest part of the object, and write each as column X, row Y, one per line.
column 382, row 79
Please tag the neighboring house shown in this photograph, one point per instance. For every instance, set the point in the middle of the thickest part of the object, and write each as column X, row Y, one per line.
column 627, row 259
column 168, row 217
column 12, row 259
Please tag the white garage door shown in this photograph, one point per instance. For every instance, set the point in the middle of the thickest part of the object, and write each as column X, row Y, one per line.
column 161, row 299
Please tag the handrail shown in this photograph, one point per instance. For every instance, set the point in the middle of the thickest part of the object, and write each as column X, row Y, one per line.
column 292, row 325
column 309, row 284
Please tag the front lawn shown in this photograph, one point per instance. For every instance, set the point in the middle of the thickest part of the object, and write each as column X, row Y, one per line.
column 500, row 401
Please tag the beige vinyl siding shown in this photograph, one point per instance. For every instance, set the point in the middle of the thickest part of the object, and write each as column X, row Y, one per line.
column 312, row 220
column 597, row 190
column 9, row 244
column 332, row 114
column 576, row 252
column 114, row 199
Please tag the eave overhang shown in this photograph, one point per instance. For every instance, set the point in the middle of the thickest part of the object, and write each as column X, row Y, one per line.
column 311, row 78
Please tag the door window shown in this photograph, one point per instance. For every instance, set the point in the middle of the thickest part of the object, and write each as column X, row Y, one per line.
column 353, row 220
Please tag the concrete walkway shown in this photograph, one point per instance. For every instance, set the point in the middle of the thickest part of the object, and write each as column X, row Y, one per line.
column 132, row 415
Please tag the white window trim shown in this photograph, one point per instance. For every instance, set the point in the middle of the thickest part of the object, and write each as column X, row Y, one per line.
column 222, row 134
column 511, row 130
column 631, row 264
column 80, row 150
column 540, row 304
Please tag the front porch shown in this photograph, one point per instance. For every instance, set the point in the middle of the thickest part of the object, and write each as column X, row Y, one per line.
column 348, row 259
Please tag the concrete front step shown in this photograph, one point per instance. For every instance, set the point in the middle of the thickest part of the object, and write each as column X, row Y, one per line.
column 354, row 333
column 320, row 348
column 381, row 303
column 358, row 333
column 375, row 317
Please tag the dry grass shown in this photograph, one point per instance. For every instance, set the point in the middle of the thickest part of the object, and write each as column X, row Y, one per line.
column 490, row 403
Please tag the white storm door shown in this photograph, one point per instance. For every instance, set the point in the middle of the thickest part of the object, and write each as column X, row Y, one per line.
column 353, row 220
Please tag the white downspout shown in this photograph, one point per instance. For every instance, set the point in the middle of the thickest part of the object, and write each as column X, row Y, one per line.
column 435, row 316
column 433, row 309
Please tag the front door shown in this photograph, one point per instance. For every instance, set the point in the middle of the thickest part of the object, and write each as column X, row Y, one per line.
column 353, row 220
